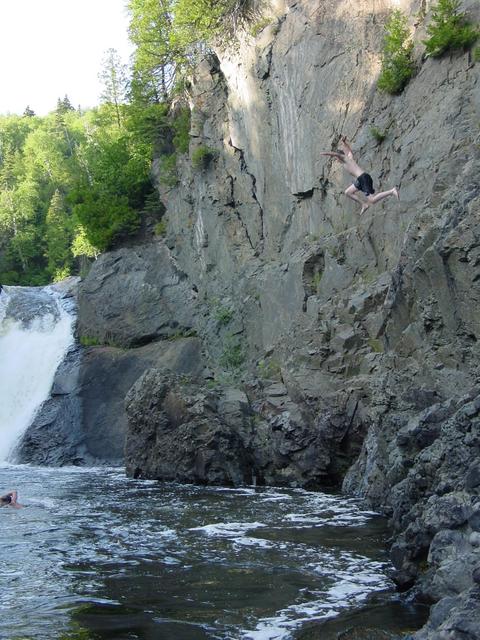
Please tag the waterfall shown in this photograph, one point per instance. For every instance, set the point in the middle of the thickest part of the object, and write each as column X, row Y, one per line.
column 36, row 331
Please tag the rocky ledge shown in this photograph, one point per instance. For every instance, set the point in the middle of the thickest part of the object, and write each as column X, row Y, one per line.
column 179, row 429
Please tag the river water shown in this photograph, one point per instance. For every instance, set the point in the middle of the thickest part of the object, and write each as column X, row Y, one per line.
column 94, row 556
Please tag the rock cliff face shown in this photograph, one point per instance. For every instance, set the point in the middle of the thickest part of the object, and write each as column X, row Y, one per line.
column 329, row 346
column 124, row 308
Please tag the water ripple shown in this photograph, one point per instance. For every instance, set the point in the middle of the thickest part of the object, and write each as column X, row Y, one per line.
column 96, row 553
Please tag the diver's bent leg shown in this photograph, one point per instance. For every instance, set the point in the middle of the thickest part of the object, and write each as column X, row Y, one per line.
column 382, row 195
column 351, row 193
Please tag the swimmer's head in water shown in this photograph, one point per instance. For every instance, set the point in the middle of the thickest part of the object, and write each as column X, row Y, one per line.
column 6, row 499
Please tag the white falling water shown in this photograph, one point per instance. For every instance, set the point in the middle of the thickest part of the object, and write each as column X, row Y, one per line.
column 36, row 330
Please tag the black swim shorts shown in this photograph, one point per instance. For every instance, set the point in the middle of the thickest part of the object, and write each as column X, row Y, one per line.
column 364, row 183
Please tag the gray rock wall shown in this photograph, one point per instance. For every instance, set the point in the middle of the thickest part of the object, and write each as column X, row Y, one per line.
column 134, row 296
column 360, row 334
column 107, row 373
column 84, row 420
column 270, row 209
column 331, row 346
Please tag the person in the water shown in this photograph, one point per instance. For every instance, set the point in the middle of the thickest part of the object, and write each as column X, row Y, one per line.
column 10, row 500
column 363, row 181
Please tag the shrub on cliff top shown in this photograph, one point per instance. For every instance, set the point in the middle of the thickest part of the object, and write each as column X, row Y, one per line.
column 397, row 59
column 449, row 29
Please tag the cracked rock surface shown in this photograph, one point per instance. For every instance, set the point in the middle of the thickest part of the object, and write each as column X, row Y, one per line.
column 332, row 347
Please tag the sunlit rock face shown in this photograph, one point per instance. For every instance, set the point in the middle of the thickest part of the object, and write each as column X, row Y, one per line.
column 271, row 210
column 133, row 297
column 355, row 338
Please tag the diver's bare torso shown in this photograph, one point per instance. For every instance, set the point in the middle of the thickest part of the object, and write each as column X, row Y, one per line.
column 363, row 181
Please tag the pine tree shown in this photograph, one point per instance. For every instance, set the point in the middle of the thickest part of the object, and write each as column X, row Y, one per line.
column 397, row 55
column 63, row 106
column 67, row 105
column 81, row 246
column 115, row 83
column 449, row 29
column 155, row 58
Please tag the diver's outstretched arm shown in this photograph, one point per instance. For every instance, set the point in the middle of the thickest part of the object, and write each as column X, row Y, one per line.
column 347, row 147
column 338, row 156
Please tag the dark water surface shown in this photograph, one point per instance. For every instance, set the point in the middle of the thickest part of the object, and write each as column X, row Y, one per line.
column 97, row 556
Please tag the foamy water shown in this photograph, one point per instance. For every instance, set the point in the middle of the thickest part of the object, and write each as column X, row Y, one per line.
column 35, row 333
column 96, row 553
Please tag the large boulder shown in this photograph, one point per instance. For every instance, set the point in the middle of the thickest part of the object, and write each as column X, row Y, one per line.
column 178, row 431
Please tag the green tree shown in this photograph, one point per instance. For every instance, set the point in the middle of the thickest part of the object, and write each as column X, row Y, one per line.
column 200, row 22
column 67, row 105
column 58, row 238
column 150, row 125
column 13, row 132
column 115, row 83
column 34, row 162
column 62, row 114
column 181, row 127
column 45, row 153
column 81, row 246
column 170, row 35
column 155, row 60
column 397, row 55
column 18, row 223
column 108, row 198
column 449, row 29
column 75, row 183
column 18, row 203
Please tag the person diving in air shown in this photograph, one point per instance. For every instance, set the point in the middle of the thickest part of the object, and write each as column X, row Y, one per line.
column 363, row 181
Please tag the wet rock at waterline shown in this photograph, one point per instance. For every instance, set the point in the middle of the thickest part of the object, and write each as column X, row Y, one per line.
column 63, row 404
column 55, row 437
column 179, row 429
column 176, row 432
column 83, row 420
column 106, row 376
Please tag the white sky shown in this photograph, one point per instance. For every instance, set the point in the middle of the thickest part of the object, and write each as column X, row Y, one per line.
column 49, row 48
